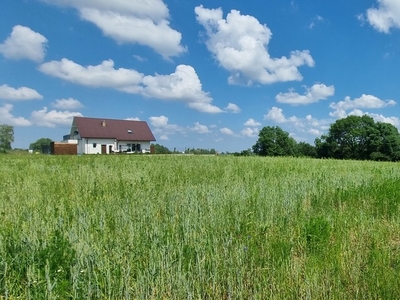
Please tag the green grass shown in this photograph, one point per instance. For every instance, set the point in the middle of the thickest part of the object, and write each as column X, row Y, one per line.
column 194, row 227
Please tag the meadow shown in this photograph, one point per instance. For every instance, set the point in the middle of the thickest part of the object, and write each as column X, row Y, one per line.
column 198, row 227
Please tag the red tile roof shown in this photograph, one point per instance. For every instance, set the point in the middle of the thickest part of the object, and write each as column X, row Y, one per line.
column 122, row 130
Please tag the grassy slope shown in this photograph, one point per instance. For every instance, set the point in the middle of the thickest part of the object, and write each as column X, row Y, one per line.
column 125, row 227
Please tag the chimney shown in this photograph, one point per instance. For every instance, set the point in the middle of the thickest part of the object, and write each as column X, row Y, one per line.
column 103, row 123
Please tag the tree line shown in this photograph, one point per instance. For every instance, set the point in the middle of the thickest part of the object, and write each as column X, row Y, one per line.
column 353, row 137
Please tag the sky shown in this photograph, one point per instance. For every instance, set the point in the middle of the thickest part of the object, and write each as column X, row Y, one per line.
column 203, row 74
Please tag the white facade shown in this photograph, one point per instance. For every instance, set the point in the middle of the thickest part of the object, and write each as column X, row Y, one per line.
column 107, row 146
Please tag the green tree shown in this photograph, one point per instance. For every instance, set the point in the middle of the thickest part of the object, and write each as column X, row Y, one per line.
column 359, row 137
column 273, row 141
column 41, row 145
column 305, row 149
column 6, row 137
column 386, row 143
column 160, row 149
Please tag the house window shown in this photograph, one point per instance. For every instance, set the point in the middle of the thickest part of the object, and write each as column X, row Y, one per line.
column 94, row 145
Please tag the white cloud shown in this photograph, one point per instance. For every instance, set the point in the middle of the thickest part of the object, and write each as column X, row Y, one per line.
column 304, row 125
column 24, row 43
column 314, row 94
column 103, row 75
column 164, row 138
column 66, row 104
column 315, row 132
column 252, row 123
column 133, row 119
column 163, row 128
column 385, row 16
column 316, row 19
column 365, row 101
column 233, row 108
column 134, row 21
column 395, row 121
column 199, row 128
column 16, row 94
column 249, row 132
column 227, row 131
column 183, row 85
column 240, row 45
column 161, row 121
column 53, row 118
column 275, row 114
column 7, row 118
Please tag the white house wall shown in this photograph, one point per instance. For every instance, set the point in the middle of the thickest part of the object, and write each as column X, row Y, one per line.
column 124, row 144
column 93, row 146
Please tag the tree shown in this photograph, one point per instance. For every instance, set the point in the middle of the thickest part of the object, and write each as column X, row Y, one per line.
column 273, row 141
column 305, row 149
column 41, row 145
column 386, row 143
column 6, row 137
column 359, row 137
column 160, row 149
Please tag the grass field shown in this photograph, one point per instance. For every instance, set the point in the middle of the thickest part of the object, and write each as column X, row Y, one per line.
column 198, row 227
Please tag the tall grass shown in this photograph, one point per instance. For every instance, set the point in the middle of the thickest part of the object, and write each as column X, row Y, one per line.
column 179, row 227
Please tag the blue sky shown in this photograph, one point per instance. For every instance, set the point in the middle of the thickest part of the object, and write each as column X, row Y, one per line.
column 203, row 74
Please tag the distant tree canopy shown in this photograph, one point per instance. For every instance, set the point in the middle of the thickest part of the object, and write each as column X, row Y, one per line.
column 361, row 138
column 6, row 137
column 200, row 151
column 160, row 149
column 353, row 137
column 41, row 145
column 273, row 141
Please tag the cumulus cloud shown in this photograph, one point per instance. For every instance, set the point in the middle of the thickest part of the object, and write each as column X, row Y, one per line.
column 53, row 118
column 377, row 117
column 231, row 107
column 227, row 131
column 183, row 85
column 161, row 121
column 103, row 75
column 66, row 104
column 249, row 132
column 164, row 137
column 252, row 123
column 162, row 127
column 365, row 101
column 308, row 124
column 18, row 94
column 199, row 128
column 275, row 114
column 7, row 117
column 135, row 21
column 312, row 95
column 240, row 45
column 385, row 16
column 24, row 43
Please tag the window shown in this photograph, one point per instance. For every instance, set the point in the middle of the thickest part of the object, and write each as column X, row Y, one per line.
column 94, row 145
column 129, row 131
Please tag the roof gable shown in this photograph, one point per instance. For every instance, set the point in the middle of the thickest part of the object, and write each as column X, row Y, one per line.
column 122, row 130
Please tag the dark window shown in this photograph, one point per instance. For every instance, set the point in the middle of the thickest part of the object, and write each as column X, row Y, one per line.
column 94, row 145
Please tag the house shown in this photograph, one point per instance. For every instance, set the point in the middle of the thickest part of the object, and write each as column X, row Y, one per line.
column 104, row 136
